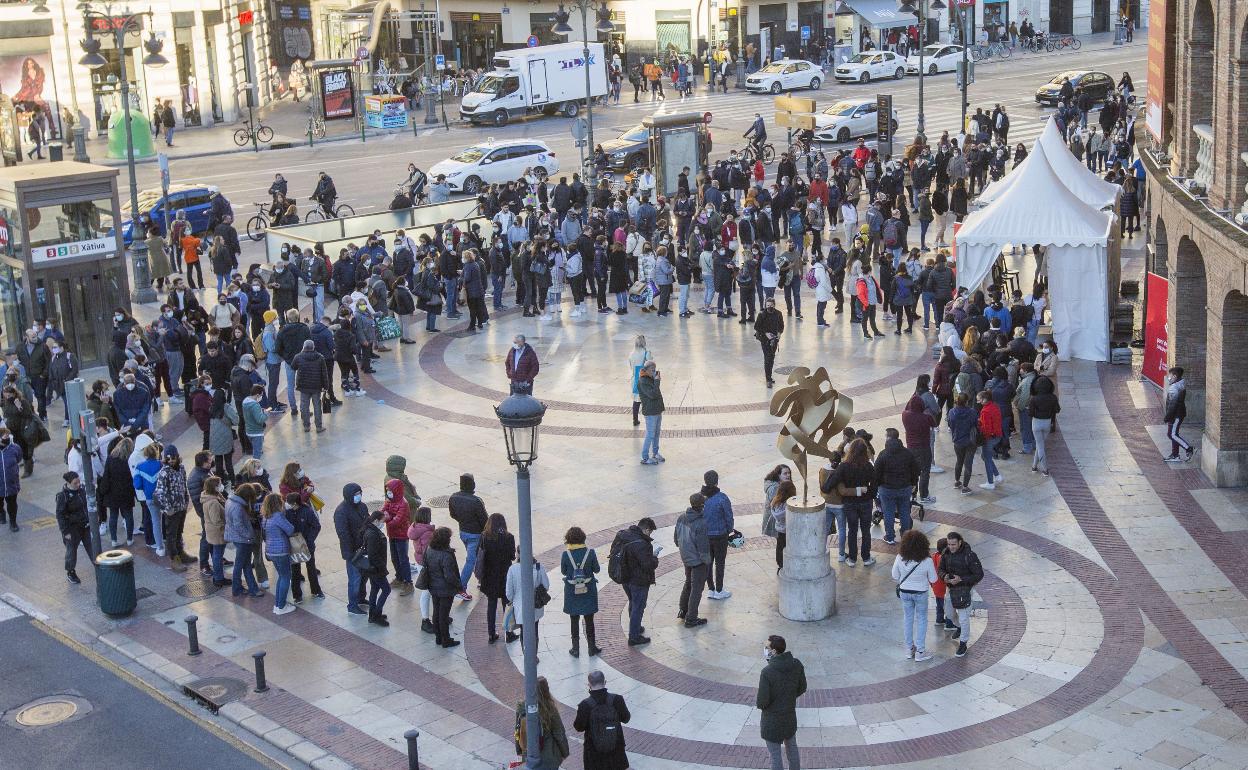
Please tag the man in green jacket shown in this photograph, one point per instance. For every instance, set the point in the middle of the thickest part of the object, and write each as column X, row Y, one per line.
column 254, row 420
column 781, row 683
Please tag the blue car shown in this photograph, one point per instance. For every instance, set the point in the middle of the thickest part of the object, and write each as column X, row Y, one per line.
column 196, row 200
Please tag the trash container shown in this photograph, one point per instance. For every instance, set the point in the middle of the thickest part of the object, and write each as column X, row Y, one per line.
column 114, row 583
column 56, row 151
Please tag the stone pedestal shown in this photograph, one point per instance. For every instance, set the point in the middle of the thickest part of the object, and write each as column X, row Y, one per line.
column 807, row 582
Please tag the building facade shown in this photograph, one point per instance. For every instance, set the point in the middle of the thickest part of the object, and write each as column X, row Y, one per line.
column 1197, row 117
column 219, row 51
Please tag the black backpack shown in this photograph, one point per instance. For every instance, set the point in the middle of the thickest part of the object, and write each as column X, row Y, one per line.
column 617, row 568
column 604, row 726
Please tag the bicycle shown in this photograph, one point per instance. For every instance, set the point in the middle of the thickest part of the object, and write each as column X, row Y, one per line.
column 262, row 133
column 259, row 223
column 750, row 153
column 985, row 52
column 315, row 126
column 1033, row 44
column 1066, row 41
column 319, row 213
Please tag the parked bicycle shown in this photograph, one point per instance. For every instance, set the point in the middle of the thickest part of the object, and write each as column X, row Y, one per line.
column 315, row 127
column 998, row 48
column 750, row 153
column 1065, row 41
column 1034, row 44
column 319, row 213
column 257, row 225
column 261, row 132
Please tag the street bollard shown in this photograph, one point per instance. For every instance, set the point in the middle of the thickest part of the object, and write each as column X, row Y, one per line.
column 413, row 755
column 261, row 685
column 192, row 635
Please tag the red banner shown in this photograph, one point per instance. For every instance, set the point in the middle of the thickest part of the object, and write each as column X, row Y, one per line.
column 1156, row 331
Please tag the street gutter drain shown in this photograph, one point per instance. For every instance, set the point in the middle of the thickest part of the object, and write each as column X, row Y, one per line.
column 48, row 711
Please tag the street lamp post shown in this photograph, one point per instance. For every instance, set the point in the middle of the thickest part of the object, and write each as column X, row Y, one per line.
column 119, row 26
column 920, row 11
column 604, row 24
column 431, row 39
column 520, row 415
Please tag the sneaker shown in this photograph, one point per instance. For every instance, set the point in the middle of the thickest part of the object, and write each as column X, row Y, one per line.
column 725, row 594
column 658, row 457
column 922, row 655
column 936, row 469
column 890, row 540
column 648, row 461
column 988, row 485
column 289, row 608
column 356, row 611
column 1189, row 453
column 264, row 584
column 851, row 563
column 961, row 653
column 948, row 624
column 966, row 490
column 695, row 623
column 954, row 631
column 1173, row 459
column 909, row 652
column 72, row 577
column 868, row 562
column 638, row 641
column 713, row 595
column 840, row 557
column 464, row 595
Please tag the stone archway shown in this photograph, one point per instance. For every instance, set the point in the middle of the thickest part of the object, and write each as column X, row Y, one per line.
column 1198, row 85
column 1159, row 262
column 1189, row 323
column 1225, row 444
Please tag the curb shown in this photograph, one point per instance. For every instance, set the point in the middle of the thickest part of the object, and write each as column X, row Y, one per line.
column 281, row 738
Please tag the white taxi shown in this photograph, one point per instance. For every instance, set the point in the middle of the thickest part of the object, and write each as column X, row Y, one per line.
column 870, row 65
column 472, row 168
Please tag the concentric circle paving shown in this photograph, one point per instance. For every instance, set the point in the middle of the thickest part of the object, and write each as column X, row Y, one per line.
column 1113, row 658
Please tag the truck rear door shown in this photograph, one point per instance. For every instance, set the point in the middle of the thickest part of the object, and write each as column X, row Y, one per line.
column 537, row 81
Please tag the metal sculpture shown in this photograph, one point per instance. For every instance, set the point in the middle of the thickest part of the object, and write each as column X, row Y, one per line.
column 815, row 414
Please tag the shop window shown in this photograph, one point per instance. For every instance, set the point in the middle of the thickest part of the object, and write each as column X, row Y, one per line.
column 188, row 86
column 12, row 306
column 71, row 222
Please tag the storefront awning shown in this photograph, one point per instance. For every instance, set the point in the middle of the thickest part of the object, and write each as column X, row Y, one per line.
column 881, row 14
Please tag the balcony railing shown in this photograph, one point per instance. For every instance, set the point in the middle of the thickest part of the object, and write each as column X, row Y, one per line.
column 1204, row 154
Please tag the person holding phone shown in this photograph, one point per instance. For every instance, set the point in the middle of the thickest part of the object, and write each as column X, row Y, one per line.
column 854, row 479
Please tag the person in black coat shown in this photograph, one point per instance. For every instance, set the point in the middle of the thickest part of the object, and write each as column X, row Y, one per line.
column 444, row 583
column 71, row 518
column 116, row 489
column 311, row 377
column 767, row 330
column 350, row 518
column 375, row 545
column 498, row 551
column 617, row 281
column 600, row 701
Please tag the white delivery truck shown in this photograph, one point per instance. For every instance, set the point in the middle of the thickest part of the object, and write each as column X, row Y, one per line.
column 547, row 78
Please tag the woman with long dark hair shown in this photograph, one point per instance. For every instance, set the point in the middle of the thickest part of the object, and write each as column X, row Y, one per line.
column 778, row 507
column 443, row 583
column 498, row 551
column 854, row 479
column 914, row 574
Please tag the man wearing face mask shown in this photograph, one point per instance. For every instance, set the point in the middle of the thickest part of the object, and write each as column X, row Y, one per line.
column 72, row 520
column 285, row 285
column 169, row 337
column 521, row 365
column 781, row 683
column 62, row 367
column 350, row 519
column 34, row 356
column 767, row 330
column 133, row 404
column 258, row 303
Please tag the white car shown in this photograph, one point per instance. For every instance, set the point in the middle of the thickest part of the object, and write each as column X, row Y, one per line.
column 847, row 119
column 786, row 74
column 472, row 168
column 937, row 57
column 864, row 67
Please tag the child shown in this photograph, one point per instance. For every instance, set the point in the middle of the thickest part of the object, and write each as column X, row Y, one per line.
column 938, row 588
column 419, row 535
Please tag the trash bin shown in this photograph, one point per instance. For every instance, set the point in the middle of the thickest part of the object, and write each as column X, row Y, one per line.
column 56, row 151
column 114, row 583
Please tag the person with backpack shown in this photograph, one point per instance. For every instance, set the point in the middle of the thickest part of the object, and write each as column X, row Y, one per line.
column 781, row 683
column 632, row 561
column 579, row 565
column 601, row 717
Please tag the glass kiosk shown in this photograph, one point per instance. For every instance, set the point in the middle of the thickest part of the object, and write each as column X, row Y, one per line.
column 61, row 257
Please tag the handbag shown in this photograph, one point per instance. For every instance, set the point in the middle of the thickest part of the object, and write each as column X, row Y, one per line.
column 327, row 404
column 509, row 619
column 960, row 596
column 316, row 501
column 299, row 551
column 388, row 328
column 422, row 579
column 908, row 574
column 361, row 561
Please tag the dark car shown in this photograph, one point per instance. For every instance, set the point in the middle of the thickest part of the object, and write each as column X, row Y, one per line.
column 630, row 151
column 1098, row 84
column 196, row 200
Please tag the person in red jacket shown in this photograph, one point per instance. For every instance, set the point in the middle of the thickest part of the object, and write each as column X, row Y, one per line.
column 990, row 432
column 818, row 190
column 869, row 297
column 862, row 153
column 521, row 365
column 398, row 519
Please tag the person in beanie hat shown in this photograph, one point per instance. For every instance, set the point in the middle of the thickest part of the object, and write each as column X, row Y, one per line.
column 172, row 500
column 71, row 518
column 717, row 510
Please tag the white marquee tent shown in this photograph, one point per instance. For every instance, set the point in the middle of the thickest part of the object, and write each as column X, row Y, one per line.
column 1081, row 252
column 1074, row 176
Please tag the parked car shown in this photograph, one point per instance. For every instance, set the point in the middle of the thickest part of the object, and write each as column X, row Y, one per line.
column 785, row 75
column 630, row 151
column 847, row 119
column 154, row 206
column 863, row 67
column 937, row 57
column 474, row 167
column 1098, row 84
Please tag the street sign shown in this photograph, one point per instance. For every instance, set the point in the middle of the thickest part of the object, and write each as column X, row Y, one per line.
column 439, row 61
column 805, row 32
column 361, row 53
column 797, row 120
column 532, row 41
column 580, row 129
column 884, row 124
column 794, row 104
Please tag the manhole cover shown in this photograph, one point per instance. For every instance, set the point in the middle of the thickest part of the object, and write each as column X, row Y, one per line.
column 197, row 589
column 48, row 711
column 215, row 692
column 441, row 501
column 783, row 369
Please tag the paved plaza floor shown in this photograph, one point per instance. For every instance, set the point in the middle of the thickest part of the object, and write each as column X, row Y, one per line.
column 1110, row 631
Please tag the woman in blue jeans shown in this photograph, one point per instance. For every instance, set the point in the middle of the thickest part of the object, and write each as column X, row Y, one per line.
column 277, row 532
column 990, row 429
column 238, row 530
column 914, row 574
column 213, row 504
column 854, row 480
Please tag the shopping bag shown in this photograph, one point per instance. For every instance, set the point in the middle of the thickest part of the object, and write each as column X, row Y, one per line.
column 388, row 328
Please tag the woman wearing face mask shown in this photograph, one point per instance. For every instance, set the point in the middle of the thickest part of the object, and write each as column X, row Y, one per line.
column 771, row 485
column 277, row 532
column 307, row 523
column 240, row 532
column 10, row 479
column 212, row 500
column 378, row 588
column 258, row 303
column 223, row 421
column 19, row 417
